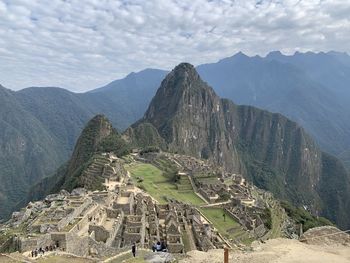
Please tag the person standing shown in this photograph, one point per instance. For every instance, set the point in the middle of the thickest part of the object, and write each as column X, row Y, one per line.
column 133, row 249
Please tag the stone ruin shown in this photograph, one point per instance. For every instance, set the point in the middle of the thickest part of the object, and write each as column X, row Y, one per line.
column 107, row 222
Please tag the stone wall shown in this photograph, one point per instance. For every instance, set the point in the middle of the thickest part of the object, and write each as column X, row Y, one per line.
column 77, row 245
column 84, row 221
column 101, row 234
column 116, row 227
column 113, row 213
column 130, row 238
column 65, row 221
column 28, row 244
column 260, row 230
column 59, row 239
column 175, row 247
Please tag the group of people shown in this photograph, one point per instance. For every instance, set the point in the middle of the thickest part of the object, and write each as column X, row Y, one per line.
column 156, row 247
column 41, row 251
column 159, row 247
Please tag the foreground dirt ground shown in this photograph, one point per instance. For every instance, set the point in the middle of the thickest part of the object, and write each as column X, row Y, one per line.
column 277, row 250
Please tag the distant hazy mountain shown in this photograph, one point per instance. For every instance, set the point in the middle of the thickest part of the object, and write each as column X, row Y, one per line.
column 273, row 152
column 307, row 88
column 125, row 100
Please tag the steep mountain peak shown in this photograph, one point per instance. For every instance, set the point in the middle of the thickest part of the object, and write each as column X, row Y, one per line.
column 185, row 72
column 181, row 91
column 97, row 129
column 236, row 58
column 240, row 54
column 274, row 54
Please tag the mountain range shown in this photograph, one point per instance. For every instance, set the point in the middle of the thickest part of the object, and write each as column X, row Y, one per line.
column 39, row 126
column 187, row 117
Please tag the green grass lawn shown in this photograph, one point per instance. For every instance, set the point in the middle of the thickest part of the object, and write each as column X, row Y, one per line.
column 229, row 228
column 160, row 186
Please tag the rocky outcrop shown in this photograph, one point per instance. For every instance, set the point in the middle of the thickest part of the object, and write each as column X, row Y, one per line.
column 326, row 235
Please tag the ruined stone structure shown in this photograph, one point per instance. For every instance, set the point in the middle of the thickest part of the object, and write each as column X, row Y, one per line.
column 109, row 221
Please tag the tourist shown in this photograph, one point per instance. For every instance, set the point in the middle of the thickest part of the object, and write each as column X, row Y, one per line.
column 158, row 247
column 133, row 249
column 154, row 247
column 32, row 253
column 164, row 246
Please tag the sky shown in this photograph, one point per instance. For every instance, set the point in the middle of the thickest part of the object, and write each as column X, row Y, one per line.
column 84, row 44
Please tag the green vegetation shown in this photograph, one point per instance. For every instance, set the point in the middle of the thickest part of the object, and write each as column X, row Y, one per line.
column 114, row 143
column 276, row 222
column 144, row 135
column 301, row 216
column 267, row 218
column 227, row 226
column 159, row 184
column 149, row 149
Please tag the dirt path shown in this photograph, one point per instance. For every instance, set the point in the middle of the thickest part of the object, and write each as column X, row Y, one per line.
column 277, row 251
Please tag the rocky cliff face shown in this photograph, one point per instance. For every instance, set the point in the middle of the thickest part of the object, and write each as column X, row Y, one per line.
column 190, row 117
column 270, row 150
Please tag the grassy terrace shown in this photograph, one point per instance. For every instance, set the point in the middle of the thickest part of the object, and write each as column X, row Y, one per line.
column 229, row 228
column 158, row 185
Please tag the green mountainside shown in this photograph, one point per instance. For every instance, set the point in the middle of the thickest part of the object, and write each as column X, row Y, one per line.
column 27, row 151
column 271, row 151
column 98, row 136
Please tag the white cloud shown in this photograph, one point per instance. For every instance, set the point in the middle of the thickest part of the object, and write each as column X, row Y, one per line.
column 82, row 45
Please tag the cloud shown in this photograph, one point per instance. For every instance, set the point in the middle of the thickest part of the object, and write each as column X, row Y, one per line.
column 81, row 45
